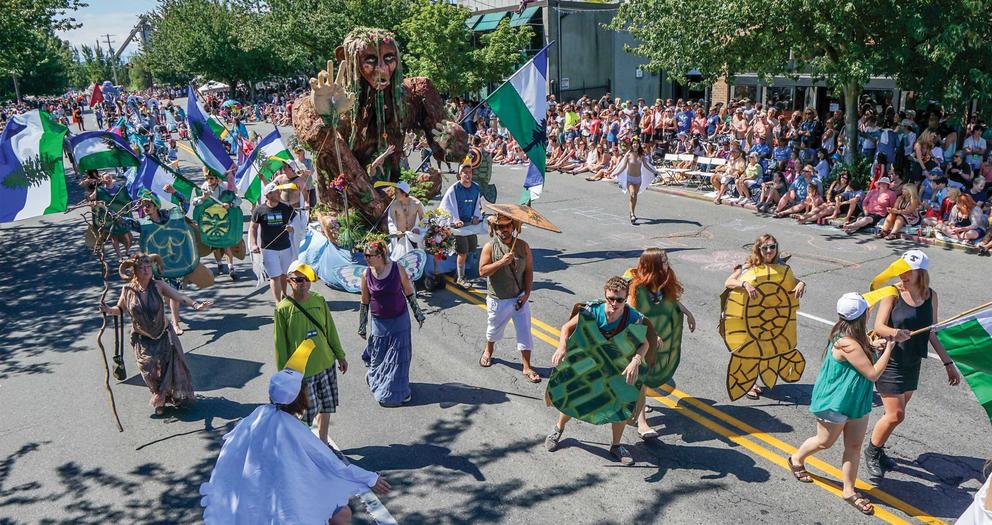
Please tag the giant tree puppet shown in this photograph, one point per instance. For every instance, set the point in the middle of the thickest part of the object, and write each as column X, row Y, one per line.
column 351, row 119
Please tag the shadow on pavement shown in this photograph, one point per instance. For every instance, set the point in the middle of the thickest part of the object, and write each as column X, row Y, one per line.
column 449, row 395
column 46, row 304
column 81, row 492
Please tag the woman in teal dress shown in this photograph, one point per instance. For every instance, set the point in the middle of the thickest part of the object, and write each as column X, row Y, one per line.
column 842, row 396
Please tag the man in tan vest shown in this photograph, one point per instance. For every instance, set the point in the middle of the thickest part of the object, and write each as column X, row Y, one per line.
column 508, row 267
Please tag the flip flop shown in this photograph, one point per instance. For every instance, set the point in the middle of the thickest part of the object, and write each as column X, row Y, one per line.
column 178, row 329
column 486, row 361
column 650, row 434
column 533, row 376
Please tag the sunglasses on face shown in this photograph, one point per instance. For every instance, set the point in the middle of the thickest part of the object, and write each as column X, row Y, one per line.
column 769, row 247
column 507, row 226
column 299, row 280
column 367, row 255
column 614, row 300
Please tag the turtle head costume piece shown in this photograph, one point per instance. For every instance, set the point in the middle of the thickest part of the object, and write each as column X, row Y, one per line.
column 910, row 261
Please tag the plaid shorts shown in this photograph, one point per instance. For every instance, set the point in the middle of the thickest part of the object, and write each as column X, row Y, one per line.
column 322, row 392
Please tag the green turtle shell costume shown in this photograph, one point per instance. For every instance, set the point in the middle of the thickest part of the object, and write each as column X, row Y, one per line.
column 173, row 241
column 667, row 320
column 219, row 227
column 589, row 384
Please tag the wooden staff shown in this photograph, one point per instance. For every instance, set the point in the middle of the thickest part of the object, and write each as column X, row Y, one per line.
column 955, row 318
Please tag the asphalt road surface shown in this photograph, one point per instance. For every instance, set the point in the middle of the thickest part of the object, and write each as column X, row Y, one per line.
column 469, row 448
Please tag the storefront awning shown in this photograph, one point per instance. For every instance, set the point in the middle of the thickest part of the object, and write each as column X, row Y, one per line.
column 524, row 17
column 472, row 20
column 489, row 21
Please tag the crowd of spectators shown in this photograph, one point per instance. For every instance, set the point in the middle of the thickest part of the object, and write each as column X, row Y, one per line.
column 924, row 174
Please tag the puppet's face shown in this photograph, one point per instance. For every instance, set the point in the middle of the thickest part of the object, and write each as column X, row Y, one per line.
column 378, row 63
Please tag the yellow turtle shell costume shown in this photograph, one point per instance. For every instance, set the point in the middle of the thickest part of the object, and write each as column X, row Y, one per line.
column 761, row 332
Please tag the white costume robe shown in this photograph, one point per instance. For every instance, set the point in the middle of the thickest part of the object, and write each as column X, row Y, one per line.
column 273, row 469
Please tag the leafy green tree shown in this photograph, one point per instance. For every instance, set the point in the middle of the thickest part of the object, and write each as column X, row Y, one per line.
column 439, row 47
column 306, row 32
column 27, row 34
column 502, row 52
column 48, row 73
column 925, row 45
column 210, row 38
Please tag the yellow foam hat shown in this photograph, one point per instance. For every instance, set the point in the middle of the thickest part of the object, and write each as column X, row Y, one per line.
column 298, row 361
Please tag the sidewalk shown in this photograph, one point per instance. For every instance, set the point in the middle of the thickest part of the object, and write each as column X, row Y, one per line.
column 691, row 194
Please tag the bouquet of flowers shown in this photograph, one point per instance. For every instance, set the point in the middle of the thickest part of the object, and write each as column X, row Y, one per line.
column 438, row 239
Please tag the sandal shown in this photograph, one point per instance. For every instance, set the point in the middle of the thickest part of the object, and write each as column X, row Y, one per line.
column 891, row 237
column 178, row 329
column 650, row 434
column 486, row 361
column 754, row 393
column 861, row 503
column 532, row 376
column 799, row 472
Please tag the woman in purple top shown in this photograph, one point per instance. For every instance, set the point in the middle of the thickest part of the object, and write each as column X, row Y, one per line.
column 389, row 351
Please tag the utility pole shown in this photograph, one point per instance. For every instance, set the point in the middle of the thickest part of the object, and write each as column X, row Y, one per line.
column 110, row 56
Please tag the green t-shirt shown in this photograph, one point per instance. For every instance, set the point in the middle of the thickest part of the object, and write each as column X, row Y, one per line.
column 292, row 327
column 571, row 119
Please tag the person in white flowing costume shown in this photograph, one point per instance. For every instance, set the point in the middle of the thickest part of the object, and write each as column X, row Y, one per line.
column 273, row 469
column 630, row 176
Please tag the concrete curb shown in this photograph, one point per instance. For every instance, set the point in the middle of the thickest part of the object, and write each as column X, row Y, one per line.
column 914, row 238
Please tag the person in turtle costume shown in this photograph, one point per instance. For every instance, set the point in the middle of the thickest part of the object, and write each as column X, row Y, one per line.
column 758, row 321
column 655, row 292
column 108, row 198
column 220, row 221
column 599, row 366
column 167, row 234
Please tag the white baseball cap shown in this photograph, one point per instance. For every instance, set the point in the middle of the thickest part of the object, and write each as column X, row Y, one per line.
column 284, row 386
column 916, row 259
column 851, row 306
column 884, row 180
column 269, row 188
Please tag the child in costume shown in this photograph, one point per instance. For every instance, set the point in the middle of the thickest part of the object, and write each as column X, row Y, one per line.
column 615, row 335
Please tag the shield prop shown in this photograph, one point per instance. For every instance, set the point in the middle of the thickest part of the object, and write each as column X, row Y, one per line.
column 589, row 384
column 219, row 227
column 173, row 241
column 760, row 332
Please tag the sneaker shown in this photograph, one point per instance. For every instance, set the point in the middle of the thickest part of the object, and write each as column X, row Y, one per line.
column 233, row 275
column 551, row 442
column 621, row 454
column 872, row 464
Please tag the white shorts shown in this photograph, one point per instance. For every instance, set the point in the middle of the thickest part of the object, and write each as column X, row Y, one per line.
column 502, row 311
column 276, row 262
column 727, row 179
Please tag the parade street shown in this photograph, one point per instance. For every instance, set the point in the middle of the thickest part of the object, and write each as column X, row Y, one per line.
column 469, row 448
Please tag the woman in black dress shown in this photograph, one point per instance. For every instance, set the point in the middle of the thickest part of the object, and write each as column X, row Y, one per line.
column 913, row 308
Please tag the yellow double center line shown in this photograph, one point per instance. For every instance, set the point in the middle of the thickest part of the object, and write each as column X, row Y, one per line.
column 736, row 430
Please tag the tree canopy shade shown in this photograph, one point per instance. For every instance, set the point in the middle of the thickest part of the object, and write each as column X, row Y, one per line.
column 940, row 48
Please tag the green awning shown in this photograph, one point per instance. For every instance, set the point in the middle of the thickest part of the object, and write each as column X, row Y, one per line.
column 489, row 21
column 523, row 18
column 470, row 23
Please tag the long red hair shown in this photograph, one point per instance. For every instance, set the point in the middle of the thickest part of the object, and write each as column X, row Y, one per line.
column 650, row 272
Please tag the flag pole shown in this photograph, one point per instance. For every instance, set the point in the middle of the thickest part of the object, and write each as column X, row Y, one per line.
column 479, row 105
column 955, row 318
